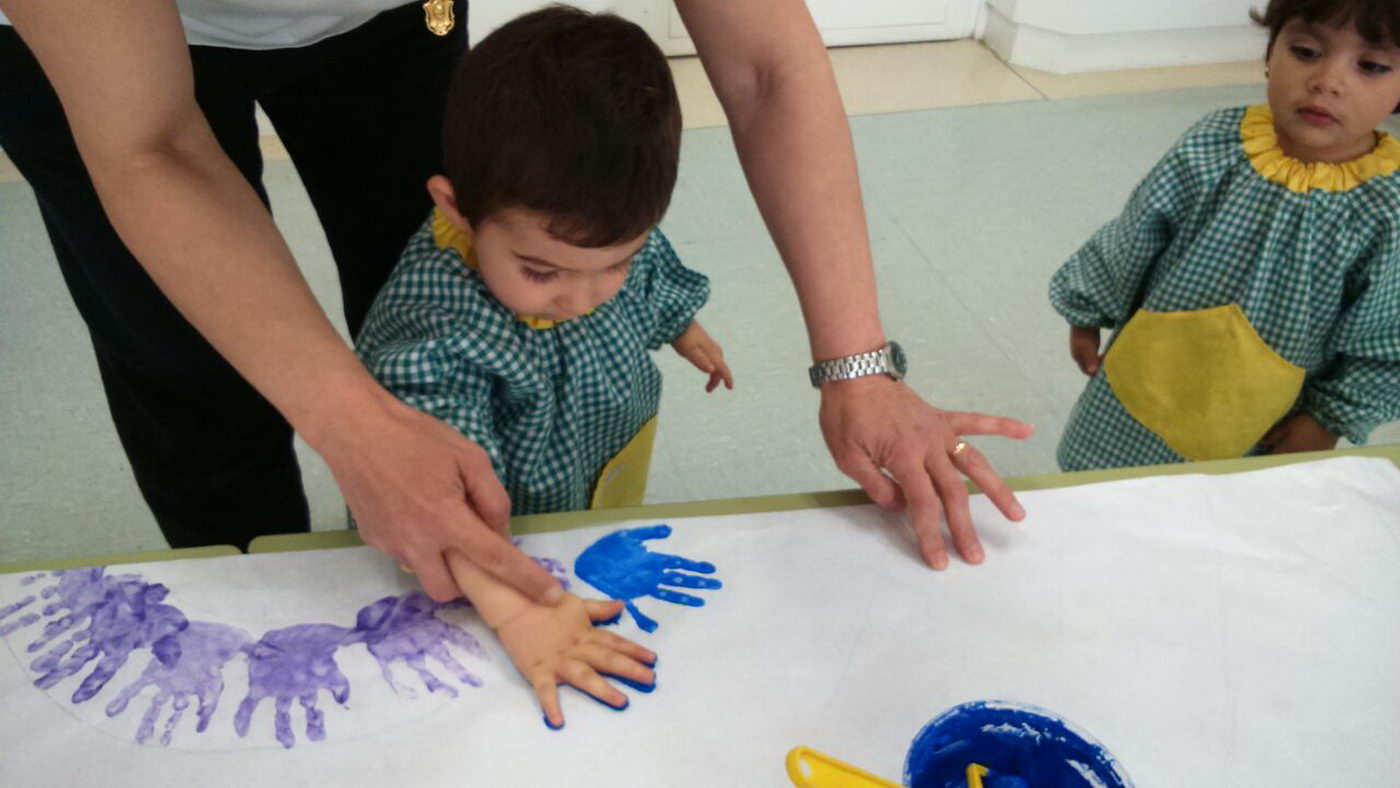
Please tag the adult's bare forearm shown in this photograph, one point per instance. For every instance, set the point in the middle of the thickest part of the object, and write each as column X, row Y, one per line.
column 795, row 146
column 201, row 232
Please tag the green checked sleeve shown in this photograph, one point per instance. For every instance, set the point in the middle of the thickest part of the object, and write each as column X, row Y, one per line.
column 416, row 340
column 1360, row 389
column 1101, row 285
column 671, row 293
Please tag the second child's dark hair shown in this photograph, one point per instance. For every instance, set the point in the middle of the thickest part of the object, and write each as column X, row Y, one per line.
column 570, row 114
column 1378, row 21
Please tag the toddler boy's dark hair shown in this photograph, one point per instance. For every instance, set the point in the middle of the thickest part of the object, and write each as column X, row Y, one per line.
column 1378, row 21
column 569, row 114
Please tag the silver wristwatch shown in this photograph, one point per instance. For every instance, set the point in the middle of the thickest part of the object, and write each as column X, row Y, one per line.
column 888, row 360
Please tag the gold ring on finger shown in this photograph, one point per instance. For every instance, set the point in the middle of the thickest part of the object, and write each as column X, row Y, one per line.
column 958, row 448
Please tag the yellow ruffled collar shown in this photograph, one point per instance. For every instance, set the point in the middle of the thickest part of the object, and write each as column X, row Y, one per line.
column 1261, row 144
column 447, row 236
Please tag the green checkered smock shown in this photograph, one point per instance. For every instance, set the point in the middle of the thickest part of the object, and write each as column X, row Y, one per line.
column 1311, row 254
column 550, row 405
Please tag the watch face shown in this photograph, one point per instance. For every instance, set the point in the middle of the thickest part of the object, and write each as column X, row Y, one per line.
column 901, row 365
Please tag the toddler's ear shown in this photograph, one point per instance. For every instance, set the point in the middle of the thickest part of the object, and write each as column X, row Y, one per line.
column 440, row 188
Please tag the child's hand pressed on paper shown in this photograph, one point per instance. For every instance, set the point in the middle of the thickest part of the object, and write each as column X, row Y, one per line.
column 554, row 644
column 560, row 645
column 696, row 346
column 1299, row 432
column 1084, row 349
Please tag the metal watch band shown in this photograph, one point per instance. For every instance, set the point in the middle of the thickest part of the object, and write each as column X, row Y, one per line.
column 875, row 362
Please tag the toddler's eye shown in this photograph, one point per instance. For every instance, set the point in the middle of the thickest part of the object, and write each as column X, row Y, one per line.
column 539, row 276
column 1372, row 67
column 1303, row 52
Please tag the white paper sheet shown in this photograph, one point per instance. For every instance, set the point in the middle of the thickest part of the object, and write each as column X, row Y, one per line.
column 1235, row 630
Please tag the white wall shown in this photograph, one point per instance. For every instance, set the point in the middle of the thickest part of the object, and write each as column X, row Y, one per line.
column 1119, row 16
column 841, row 22
column 1088, row 35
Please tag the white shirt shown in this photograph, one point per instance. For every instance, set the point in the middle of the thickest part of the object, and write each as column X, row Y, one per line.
column 272, row 24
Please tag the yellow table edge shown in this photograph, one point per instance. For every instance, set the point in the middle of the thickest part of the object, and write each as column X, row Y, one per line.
column 542, row 523
column 562, row 521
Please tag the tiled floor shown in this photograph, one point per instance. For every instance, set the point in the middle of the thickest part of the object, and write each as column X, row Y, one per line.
column 971, row 208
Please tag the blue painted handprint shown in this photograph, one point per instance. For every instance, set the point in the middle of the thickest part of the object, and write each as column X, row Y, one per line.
column 407, row 628
column 620, row 566
column 295, row 663
column 198, row 672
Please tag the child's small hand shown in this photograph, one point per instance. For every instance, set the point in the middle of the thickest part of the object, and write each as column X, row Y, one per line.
column 559, row 644
column 696, row 346
column 1084, row 349
column 1299, row 432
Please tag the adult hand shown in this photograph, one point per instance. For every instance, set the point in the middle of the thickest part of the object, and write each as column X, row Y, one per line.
column 900, row 449
column 1084, row 349
column 418, row 488
column 1299, row 432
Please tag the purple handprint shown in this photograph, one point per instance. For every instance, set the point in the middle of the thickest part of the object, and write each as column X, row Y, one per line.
column 407, row 628
column 552, row 565
column 295, row 663
column 128, row 615
column 79, row 592
column 620, row 566
column 204, row 649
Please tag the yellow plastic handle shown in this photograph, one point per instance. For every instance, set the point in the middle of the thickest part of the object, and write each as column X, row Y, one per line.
column 808, row 768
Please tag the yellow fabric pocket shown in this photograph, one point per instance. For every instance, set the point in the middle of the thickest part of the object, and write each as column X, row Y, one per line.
column 623, row 481
column 1203, row 380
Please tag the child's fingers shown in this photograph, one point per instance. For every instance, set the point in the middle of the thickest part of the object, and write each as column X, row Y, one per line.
column 727, row 375
column 585, row 679
column 602, row 609
column 548, row 692
column 622, row 645
column 611, row 663
column 702, row 360
column 715, row 380
column 1087, row 360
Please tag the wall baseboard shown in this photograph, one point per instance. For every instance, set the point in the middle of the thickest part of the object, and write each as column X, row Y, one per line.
column 1063, row 53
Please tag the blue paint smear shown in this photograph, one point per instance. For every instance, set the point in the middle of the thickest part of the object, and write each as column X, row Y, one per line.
column 621, row 566
column 1021, row 746
column 636, row 685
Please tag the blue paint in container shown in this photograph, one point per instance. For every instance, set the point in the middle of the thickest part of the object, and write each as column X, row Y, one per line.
column 1022, row 746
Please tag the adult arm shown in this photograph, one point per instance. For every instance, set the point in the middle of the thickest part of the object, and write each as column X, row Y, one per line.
column 774, row 79
column 122, row 71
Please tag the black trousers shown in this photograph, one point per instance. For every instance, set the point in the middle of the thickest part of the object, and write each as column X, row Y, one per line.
column 361, row 116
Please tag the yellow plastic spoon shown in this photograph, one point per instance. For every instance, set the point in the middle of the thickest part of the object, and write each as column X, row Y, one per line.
column 808, row 768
